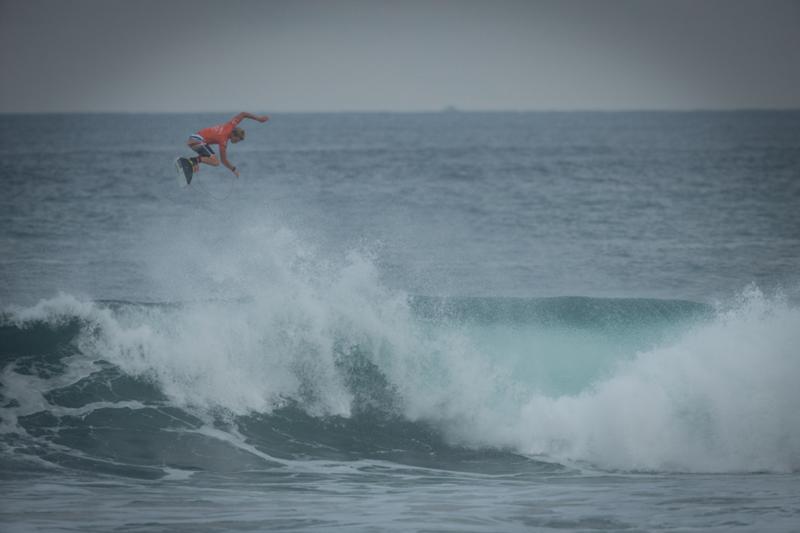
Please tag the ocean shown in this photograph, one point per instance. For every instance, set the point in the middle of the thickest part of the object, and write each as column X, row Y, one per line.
column 454, row 321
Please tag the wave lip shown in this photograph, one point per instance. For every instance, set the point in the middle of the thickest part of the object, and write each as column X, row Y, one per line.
column 574, row 311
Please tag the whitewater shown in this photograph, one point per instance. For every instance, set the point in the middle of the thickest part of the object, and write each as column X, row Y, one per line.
column 408, row 325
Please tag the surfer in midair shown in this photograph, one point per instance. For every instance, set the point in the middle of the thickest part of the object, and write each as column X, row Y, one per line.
column 220, row 134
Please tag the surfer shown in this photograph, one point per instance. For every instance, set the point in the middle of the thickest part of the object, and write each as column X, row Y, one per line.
column 220, row 134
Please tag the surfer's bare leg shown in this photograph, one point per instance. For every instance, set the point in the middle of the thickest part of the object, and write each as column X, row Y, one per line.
column 201, row 157
column 212, row 160
column 207, row 159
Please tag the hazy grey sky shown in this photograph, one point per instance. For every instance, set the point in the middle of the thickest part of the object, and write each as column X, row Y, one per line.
column 157, row 55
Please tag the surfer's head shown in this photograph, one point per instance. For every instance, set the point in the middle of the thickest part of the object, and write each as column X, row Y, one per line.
column 237, row 135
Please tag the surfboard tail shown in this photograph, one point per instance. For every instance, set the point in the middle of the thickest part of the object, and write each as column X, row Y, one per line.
column 184, row 171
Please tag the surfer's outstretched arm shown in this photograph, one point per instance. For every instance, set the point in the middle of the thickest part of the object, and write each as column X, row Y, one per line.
column 223, row 155
column 244, row 114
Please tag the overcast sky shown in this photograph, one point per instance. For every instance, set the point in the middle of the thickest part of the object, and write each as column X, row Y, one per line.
column 401, row 55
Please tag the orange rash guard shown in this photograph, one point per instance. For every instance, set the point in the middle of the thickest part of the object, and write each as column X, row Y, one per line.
column 220, row 133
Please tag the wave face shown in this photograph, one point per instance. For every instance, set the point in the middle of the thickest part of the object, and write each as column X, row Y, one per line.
column 307, row 359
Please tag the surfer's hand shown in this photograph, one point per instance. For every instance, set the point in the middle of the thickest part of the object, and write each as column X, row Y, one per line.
column 263, row 118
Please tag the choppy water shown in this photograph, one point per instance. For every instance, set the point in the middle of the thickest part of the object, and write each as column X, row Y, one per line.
column 436, row 322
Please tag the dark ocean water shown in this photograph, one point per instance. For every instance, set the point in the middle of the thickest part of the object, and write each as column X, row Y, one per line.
column 402, row 322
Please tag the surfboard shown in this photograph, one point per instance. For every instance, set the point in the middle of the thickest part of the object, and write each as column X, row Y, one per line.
column 184, row 172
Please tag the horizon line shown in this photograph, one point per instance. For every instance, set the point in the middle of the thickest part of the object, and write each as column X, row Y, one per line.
column 444, row 111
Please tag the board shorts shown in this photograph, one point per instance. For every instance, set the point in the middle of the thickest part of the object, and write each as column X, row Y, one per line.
column 199, row 145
